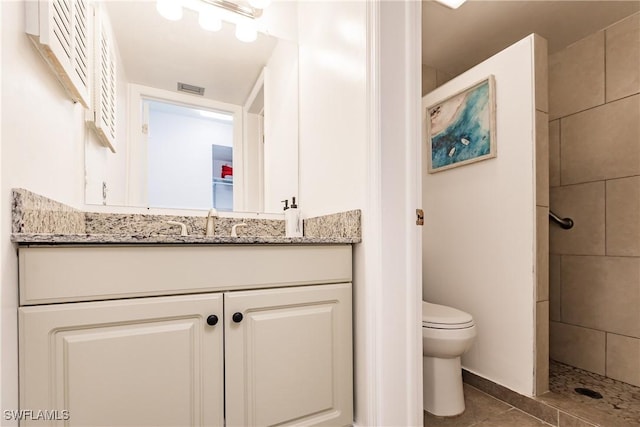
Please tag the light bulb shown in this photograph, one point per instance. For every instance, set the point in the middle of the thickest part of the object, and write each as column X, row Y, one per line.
column 259, row 4
column 209, row 20
column 245, row 32
column 453, row 4
column 169, row 9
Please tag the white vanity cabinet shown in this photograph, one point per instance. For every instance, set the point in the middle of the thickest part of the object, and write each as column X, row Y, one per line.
column 267, row 355
column 140, row 362
column 289, row 360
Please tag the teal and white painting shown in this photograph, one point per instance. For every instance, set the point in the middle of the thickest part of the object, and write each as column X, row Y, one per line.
column 461, row 129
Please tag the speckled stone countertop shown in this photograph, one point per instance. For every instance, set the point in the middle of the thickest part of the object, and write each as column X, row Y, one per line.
column 37, row 220
column 81, row 239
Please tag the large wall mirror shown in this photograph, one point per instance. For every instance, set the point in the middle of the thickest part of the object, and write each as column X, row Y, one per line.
column 234, row 146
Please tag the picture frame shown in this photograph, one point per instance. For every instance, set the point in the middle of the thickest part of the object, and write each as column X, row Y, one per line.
column 461, row 128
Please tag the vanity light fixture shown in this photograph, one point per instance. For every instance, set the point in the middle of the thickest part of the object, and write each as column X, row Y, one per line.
column 453, row 4
column 209, row 20
column 259, row 4
column 169, row 9
column 246, row 32
column 211, row 13
column 248, row 11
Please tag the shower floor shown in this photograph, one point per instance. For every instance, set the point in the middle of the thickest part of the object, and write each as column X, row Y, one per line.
column 619, row 405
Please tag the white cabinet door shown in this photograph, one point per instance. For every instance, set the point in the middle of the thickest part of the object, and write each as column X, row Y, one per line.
column 288, row 361
column 137, row 362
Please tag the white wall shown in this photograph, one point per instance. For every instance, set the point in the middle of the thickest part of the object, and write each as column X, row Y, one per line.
column 254, row 161
column 333, row 145
column 179, row 159
column 396, row 113
column 281, row 126
column 333, row 106
column 102, row 165
column 359, row 126
column 279, row 20
column 43, row 135
column 479, row 233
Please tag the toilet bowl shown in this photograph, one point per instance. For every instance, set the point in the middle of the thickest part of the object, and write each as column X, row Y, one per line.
column 446, row 334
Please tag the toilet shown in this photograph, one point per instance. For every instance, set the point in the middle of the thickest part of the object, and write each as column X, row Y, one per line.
column 446, row 334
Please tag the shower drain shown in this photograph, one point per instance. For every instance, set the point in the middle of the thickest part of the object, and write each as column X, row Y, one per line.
column 588, row 392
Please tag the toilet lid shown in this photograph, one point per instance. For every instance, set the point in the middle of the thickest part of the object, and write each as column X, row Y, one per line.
column 444, row 317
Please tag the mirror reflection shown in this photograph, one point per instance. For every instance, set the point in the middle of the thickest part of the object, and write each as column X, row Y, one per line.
column 190, row 157
column 228, row 139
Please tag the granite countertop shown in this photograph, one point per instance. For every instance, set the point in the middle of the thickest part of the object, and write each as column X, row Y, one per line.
column 66, row 239
column 38, row 220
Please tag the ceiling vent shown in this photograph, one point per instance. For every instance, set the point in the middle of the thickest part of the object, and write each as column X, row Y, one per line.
column 194, row 90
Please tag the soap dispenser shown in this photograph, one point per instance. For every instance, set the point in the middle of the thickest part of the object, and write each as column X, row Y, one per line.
column 293, row 220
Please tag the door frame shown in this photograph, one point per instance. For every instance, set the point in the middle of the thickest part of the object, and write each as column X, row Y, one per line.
column 135, row 185
column 389, row 380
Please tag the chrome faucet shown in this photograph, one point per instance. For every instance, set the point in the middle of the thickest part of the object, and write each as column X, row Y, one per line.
column 183, row 227
column 211, row 222
column 234, row 232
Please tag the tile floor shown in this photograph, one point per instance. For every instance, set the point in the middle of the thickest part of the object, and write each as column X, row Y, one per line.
column 483, row 410
column 619, row 406
column 561, row 406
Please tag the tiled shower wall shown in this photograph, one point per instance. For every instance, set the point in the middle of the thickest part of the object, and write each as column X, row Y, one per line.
column 594, row 102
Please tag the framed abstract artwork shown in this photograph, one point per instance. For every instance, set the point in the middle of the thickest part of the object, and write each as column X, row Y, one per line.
column 461, row 129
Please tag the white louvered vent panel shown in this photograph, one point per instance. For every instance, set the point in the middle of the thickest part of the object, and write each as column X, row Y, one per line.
column 81, row 58
column 61, row 16
column 59, row 29
column 104, row 96
column 106, row 87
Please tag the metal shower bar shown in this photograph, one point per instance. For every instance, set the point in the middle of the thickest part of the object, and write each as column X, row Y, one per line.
column 565, row 223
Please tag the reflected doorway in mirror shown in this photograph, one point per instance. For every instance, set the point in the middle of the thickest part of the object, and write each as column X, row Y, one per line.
column 171, row 152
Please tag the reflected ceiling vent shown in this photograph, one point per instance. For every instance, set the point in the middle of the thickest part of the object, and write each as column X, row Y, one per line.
column 193, row 90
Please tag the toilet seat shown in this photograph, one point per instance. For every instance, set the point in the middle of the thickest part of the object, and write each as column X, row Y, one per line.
column 437, row 316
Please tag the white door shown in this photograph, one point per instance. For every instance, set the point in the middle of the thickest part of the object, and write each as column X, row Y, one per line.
column 138, row 362
column 288, row 356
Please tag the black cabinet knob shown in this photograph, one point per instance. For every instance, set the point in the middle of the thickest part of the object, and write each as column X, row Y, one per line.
column 212, row 320
column 237, row 317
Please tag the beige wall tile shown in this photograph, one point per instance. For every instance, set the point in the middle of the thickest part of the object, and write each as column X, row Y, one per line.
column 602, row 293
column 623, row 358
column 554, row 153
column 555, row 287
column 623, row 58
column 584, row 203
column 601, row 143
column 541, row 58
column 542, row 159
column 623, row 216
column 428, row 79
column 576, row 77
column 542, row 347
column 580, row 347
column 542, row 253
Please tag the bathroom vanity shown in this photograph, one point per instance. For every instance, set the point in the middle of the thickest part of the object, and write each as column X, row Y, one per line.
column 187, row 334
